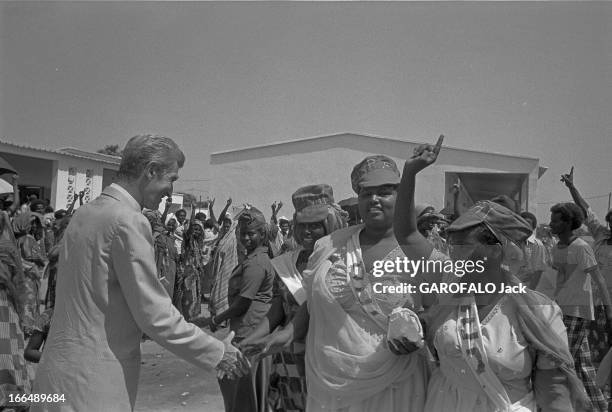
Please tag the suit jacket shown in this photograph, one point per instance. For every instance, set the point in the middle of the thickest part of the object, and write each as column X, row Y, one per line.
column 108, row 294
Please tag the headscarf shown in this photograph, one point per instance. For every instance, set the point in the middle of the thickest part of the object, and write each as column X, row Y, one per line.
column 505, row 201
column 500, row 220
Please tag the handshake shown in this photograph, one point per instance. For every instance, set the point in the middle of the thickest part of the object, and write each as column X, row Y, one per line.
column 233, row 364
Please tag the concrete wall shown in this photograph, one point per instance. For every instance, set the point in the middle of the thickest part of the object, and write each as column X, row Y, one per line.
column 74, row 175
column 61, row 175
column 279, row 171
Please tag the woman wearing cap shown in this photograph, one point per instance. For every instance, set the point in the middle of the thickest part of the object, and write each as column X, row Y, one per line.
column 315, row 216
column 497, row 351
column 249, row 298
column 350, row 365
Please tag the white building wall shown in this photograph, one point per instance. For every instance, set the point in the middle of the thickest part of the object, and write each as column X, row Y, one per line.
column 261, row 181
column 81, row 180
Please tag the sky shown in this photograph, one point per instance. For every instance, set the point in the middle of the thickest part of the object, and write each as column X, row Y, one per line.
column 532, row 79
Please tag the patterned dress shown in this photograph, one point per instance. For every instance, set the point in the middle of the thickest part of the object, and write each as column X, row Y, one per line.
column 14, row 376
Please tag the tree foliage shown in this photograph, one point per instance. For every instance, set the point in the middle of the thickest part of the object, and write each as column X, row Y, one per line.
column 111, row 149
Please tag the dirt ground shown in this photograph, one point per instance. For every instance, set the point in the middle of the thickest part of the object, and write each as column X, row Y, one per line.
column 168, row 383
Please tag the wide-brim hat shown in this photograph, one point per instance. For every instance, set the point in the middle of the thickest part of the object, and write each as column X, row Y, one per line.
column 312, row 203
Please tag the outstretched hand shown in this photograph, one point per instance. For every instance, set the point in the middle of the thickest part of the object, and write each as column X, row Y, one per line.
column 425, row 155
column 276, row 341
column 233, row 364
column 568, row 179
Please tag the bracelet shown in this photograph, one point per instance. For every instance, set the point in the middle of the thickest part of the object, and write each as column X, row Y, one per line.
column 212, row 321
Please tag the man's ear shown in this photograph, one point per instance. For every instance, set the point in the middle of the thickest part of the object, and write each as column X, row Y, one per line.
column 151, row 170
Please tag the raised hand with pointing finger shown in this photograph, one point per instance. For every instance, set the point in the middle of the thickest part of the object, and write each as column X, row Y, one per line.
column 425, row 155
column 568, row 179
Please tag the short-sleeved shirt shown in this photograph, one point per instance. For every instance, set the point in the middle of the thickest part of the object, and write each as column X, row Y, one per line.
column 573, row 263
column 535, row 258
column 252, row 279
column 603, row 250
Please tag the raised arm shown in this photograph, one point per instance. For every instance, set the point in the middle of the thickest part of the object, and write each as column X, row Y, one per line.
column 456, row 190
column 166, row 209
column 413, row 244
column 224, row 211
column 275, row 208
column 568, row 179
column 189, row 228
column 211, row 205
column 71, row 207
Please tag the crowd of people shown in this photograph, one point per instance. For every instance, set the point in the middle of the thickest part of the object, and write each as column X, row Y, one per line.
column 305, row 324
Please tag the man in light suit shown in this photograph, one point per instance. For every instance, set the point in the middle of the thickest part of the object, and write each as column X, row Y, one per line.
column 108, row 293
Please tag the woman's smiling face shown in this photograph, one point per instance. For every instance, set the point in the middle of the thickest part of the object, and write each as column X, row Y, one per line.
column 377, row 205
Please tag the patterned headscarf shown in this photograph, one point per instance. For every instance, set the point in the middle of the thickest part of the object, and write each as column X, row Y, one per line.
column 500, row 220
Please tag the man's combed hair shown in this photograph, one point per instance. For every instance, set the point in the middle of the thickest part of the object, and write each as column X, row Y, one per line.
column 570, row 212
column 142, row 150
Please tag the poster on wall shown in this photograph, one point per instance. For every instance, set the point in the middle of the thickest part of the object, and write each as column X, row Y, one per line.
column 71, row 188
column 88, row 185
